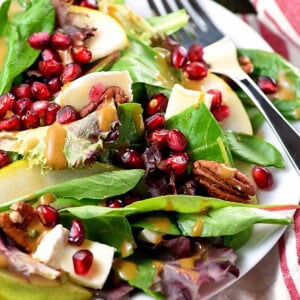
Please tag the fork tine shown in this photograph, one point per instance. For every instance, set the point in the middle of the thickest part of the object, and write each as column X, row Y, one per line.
column 207, row 32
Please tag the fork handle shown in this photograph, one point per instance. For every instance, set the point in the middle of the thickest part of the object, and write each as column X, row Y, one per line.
column 287, row 135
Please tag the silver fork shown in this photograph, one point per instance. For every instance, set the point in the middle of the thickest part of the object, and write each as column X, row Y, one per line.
column 221, row 55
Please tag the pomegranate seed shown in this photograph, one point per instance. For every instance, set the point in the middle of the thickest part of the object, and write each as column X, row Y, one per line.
column 131, row 159
column 89, row 4
column 71, row 72
column 157, row 104
column 195, row 53
column 262, row 177
column 96, row 91
column 22, row 90
column 82, row 261
column 196, row 70
column 6, row 103
column 77, row 233
column 48, row 215
column 49, row 54
column 60, row 41
column 155, row 121
column 216, row 99
column 21, row 106
column 4, row 159
column 51, row 112
column 39, row 40
column 31, row 119
column 40, row 108
column 179, row 57
column 50, row 68
column 11, row 123
column 221, row 113
column 158, row 136
column 40, row 91
column 114, row 203
column 81, row 54
column 267, row 84
column 130, row 199
column 67, row 114
column 54, row 85
column 176, row 140
column 177, row 163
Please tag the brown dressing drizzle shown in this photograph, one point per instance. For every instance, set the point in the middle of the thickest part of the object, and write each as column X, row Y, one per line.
column 126, row 269
column 126, row 248
column 286, row 89
column 46, row 199
column 3, row 261
column 106, row 114
column 3, row 50
column 55, row 142
column 30, row 144
column 198, row 227
column 161, row 224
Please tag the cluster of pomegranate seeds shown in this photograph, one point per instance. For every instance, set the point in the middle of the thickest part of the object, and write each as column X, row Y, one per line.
column 4, row 159
column 155, row 121
column 48, row 215
column 77, row 233
column 262, row 177
column 82, row 261
column 28, row 106
column 190, row 61
column 219, row 110
column 267, row 84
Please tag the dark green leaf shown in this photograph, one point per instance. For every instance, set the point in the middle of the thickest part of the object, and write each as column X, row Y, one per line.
column 254, row 150
column 206, row 139
column 4, row 7
column 20, row 56
column 145, row 65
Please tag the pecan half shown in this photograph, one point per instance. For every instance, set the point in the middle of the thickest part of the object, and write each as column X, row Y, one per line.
column 223, row 182
column 17, row 224
column 112, row 92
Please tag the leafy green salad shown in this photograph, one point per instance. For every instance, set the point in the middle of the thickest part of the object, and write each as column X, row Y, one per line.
column 125, row 165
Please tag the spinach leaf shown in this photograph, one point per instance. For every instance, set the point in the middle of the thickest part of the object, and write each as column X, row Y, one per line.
column 97, row 187
column 160, row 222
column 288, row 77
column 254, row 150
column 206, row 139
column 236, row 241
column 4, row 7
column 132, row 125
column 226, row 221
column 255, row 116
column 19, row 55
column 145, row 64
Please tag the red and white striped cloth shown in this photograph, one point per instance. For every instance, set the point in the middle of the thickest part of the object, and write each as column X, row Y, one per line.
column 277, row 276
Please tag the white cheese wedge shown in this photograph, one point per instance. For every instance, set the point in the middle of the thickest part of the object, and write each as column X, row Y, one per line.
column 150, row 236
column 76, row 93
column 182, row 98
column 98, row 273
column 109, row 36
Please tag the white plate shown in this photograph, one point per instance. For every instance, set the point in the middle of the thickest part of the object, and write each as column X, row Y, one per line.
column 286, row 189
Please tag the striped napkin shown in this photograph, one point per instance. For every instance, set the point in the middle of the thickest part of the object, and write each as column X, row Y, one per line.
column 277, row 276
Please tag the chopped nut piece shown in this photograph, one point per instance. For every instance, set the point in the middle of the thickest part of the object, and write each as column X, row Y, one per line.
column 223, row 182
column 18, row 223
column 246, row 64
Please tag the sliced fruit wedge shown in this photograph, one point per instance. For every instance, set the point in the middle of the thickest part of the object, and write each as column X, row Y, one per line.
column 20, row 179
column 109, row 36
column 238, row 120
column 77, row 93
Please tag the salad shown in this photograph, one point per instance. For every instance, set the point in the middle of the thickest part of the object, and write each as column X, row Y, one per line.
column 125, row 165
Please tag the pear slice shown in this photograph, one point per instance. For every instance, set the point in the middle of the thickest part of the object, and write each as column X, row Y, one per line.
column 20, row 179
column 77, row 92
column 238, row 120
column 13, row 286
column 181, row 99
column 109, row 36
